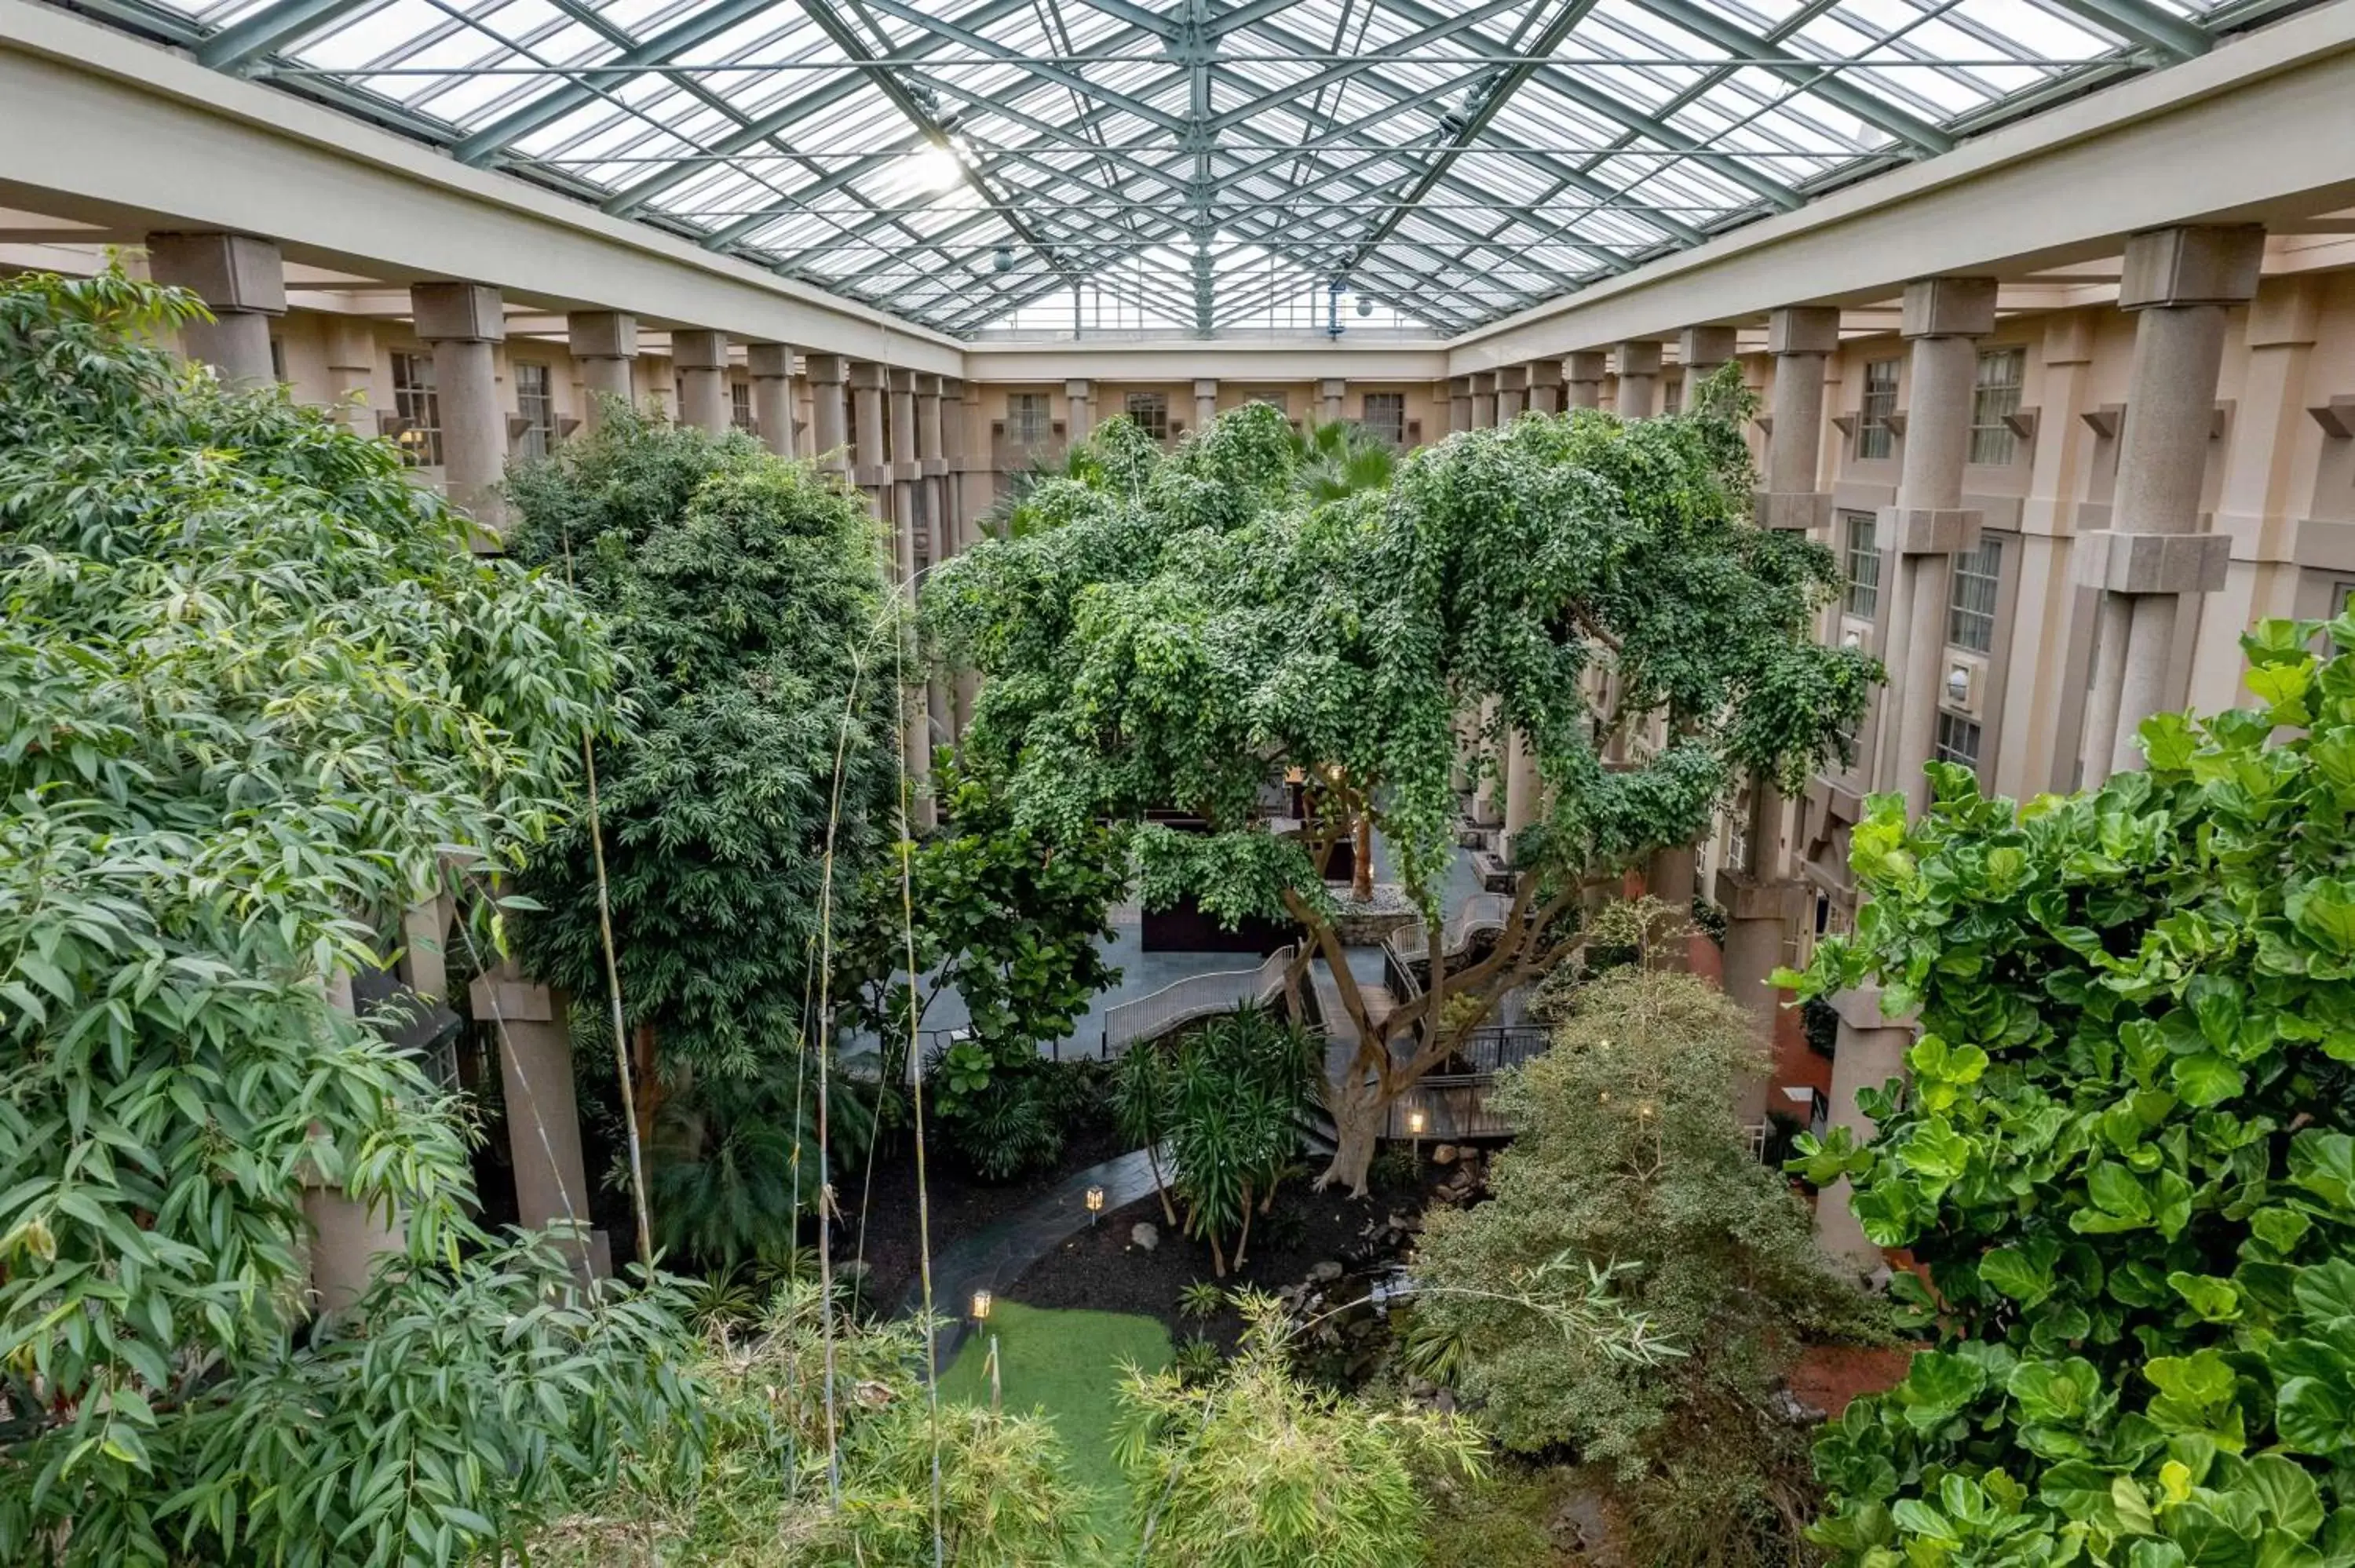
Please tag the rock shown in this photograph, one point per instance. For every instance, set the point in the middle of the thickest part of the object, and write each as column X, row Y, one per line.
column 1445, row 1154
column 852, row 1270
column 1326, row 1273
column 1145, row 1236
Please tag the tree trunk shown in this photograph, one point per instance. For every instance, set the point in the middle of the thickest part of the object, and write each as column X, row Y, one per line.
column 1243, row 1239
column 645, row 1083
column 1160, row 1188
column 1362, row 876
column 1218, row 1259
column 1358, row 1127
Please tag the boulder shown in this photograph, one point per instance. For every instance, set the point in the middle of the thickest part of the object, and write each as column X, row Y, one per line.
column 1326, row 1273
column 1443, row 1155
column 1145, row 1236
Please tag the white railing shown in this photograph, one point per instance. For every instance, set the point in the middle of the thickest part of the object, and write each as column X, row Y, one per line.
column 1196, row 996
column 1482, row 911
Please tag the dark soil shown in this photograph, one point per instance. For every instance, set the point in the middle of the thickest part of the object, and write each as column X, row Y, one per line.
column 960, row 1203
column 1101, row 1270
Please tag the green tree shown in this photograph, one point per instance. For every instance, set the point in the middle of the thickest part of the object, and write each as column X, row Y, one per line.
column 1233, row 1090
column 255, row 694
column 1183, row 639
column 1627, row 1153
column 756, row 788
column 1254, row 1468
column 2125, row 1156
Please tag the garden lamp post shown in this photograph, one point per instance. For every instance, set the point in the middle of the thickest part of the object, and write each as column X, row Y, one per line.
column 1415, row 1123
column 1095, row 1202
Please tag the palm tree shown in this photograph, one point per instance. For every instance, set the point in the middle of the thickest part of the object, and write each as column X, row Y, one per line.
column 1342, row 459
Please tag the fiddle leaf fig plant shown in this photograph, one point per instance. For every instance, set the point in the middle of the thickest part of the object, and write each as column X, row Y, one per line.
column 2125, row 1159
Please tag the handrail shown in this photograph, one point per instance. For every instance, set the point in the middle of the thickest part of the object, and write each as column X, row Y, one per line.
column 1482, row 911
column 1196, row 996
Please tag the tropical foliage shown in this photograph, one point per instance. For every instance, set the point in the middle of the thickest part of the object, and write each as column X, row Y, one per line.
column 2125, row 1162
column 1190, row 628
column 255, row 697
column 758, row 784
column 1252, row 1468
column 1628, row 1154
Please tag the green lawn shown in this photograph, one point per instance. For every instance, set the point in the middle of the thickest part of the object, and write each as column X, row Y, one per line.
column 1067, row 1364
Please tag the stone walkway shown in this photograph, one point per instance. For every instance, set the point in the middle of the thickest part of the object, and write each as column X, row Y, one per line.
column 997, row 1256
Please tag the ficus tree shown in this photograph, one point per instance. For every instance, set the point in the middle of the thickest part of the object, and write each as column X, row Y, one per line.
column 2125, row 1160
column 257, row 697
column 1192, row 629
column 756, row 788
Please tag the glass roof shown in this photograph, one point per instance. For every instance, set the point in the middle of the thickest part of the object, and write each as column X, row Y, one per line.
column 1190, row 166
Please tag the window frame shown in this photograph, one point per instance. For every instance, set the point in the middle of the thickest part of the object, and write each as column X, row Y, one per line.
column 1947, row 746
column 1876, row 439
column 1383, row 428
column 1860, row 596
column 539, row 435
column 1994, row 444
column 1966, row 580
column 1019, row 407
column 416, row 398
column 1149, row 412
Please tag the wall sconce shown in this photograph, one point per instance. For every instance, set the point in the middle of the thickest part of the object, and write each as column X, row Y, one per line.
column 1095, row 1201
column 1852, row 637
column 981, row 1306
column 1958, row 683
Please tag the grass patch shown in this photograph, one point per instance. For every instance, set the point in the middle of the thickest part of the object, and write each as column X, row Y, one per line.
column 1067, row 1364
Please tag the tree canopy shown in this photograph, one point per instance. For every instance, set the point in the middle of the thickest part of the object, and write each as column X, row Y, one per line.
column 1176, row 632
column 2125, row 1159
column 255, row 696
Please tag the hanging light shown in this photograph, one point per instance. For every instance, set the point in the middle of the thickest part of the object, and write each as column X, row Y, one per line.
column 1365, row 306
column 1094, row 1200
column 981, row 1306
column 1003, row 259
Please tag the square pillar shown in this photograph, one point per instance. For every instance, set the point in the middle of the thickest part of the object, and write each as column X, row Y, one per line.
column 1699, row 351
column 461, row 322
column 829, row 377
column 605, row 343
column 1639, row 376
column 1583, row 374
column 1545, row 386
column 1459, row 405
column 1206, row 404
column 242, row 281
column 1082, row 420
column 700, row 358
column 1512, row 393
column 771, row 367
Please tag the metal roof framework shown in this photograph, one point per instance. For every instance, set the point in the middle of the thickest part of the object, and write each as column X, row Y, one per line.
column 1207, row 166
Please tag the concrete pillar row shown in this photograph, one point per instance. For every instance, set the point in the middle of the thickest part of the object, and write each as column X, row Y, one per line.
column 1583, row 375
column 462, row 324
column 242, row 281
column 1205, row 403
column 1330, row 393
column 700, row 358
column 2180, row 282
column 1080, row 419
column 605, row 343
column 1545, row 386
column 1699, row 351
column 771, row 367
column 869, row 460
column 1484, row 400
column 1459, row 405
column 1944, row 319
column 1639, row 376
column 830, row 378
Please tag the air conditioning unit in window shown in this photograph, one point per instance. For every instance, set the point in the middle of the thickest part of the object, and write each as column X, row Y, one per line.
column 1414, row 432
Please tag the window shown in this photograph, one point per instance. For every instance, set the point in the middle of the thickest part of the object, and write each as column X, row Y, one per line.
column 277, row 359
column 1150, row 413
column 1863, row 562
column 1995, row 395
column 1873, row 437
column 1028, row 419
column 1672, row 394
column 739, row 407
column 414, row 401
column 1970, row 602
column 1958, row 740
column 1385, row 416
column 536, row 404
column 850, row 427
column 1280, row 401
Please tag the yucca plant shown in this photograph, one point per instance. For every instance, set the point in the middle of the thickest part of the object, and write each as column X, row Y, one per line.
column 1202, row 1298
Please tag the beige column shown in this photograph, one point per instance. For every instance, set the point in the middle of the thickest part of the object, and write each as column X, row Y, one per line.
column 700, row 358
column 543, row 1118
column 242, row 283
column 351, row 371
column 1699, row 351
column 870, row 463
column 1870, row 1051
column 461, row 322
column 1205, row 403
column 1512, row 393
column 1639, row 376
column 1545, row 386
column 1080, row 398
column 900, row 493
column 1484, row 400
column 1582, row 374
column 2043, row 718
column 1944, row 319
column 1521, row 791
column 965, row 684
column 770, row 366
column 2180, row 282
column 1330, row 393
column 830, row 375
column 1459, row 405
column 605, row 343
column 932, row 497
column 345, row 1235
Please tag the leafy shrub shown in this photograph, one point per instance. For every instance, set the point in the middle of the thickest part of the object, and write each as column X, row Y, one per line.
column 1202, row 1298
column 2125, row 1157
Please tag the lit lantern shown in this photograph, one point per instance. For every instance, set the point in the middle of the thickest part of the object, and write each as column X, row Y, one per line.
column 1095, row 1203
column 1415, row 1122
column 981, row 1306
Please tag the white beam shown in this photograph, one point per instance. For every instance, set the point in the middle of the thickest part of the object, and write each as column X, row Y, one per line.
column 1185, row 359
column 153, row 140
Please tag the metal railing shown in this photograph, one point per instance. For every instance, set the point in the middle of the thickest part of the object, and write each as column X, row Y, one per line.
column 1481, row 912
column 1453, row 1107
column 1196, row 996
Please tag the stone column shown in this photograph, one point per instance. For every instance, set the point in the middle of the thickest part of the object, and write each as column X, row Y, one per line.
column 770, row 366
column 1870, row 1051
column 1699, row 351
column 899, row 492
column 543, row 1118
column 1079, row 398
column 1521, row 791
column 2180, row 282
column 1331, row 391
column 607, row 345
column 1639, row 376
column 700, row 358
column 869, row 464
column 1801, row 338
column 1512, row 393
column 1944, row 319
column 931, row 495
column 1483, row 400
column 1206, row 404
column 1459, row 405
column 351, row 371
column 1584, row 378
column 461, row 322
column 242, row 282
column 963, row 684
column 829, row 375
column 1545, row 386
column 346, row 1236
